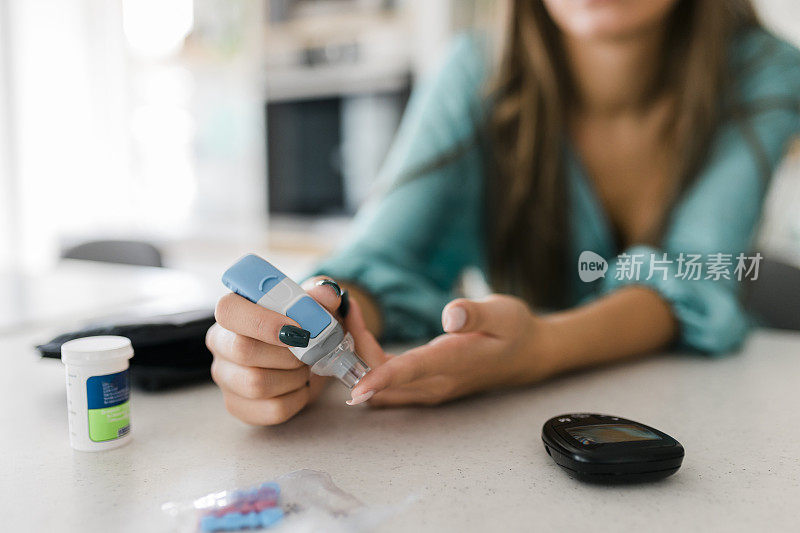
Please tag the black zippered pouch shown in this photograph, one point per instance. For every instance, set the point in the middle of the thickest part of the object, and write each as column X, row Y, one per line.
column 169, row 350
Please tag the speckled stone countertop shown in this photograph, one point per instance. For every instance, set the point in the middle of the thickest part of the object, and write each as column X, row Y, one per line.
column 472, row 465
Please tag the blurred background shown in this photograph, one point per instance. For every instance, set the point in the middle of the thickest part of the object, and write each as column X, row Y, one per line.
column 208, row 128
column 201, row 126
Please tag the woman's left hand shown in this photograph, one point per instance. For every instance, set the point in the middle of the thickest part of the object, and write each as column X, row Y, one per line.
column 489, row 343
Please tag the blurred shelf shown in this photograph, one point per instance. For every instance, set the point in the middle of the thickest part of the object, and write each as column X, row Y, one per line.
column 333, row 53
column 335, row 80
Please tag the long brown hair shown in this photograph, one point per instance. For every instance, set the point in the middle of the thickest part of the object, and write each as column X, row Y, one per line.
column 529, row 233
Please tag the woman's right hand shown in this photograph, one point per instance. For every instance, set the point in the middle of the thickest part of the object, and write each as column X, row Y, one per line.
column 262, row 382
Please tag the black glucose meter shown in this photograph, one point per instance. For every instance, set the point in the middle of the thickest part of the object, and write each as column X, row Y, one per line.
column 610, row 449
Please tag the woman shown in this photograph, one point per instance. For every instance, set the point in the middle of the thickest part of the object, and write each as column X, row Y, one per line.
column 626, row 128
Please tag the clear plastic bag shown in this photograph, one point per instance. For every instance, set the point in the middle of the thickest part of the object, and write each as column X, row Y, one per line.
column 300, row 501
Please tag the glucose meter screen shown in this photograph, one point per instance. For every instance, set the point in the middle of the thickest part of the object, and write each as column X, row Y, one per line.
column 602, row 433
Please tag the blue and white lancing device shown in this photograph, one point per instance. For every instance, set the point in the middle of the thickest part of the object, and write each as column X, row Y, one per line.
column 330, row 352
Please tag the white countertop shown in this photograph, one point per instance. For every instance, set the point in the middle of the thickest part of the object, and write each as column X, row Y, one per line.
column 473, row 465
column 76, row 291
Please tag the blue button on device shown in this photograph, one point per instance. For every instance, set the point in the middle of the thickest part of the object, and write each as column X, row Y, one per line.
column 309, row 315
column 252, row 277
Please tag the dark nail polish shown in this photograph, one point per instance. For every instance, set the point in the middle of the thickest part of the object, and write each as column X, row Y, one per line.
column 294, row 336
column 344, row 306
column 332, row 284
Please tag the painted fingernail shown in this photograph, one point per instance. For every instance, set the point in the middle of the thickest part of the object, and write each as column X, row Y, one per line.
column 454, row 319
column 344, row 306
column 332, row 284
column 294, row 336
column 360, row 398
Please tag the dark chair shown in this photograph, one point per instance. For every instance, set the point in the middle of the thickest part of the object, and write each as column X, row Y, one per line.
column 123, row 252
column 774, row 298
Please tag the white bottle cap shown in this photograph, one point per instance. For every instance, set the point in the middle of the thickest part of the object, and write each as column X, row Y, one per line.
column 94, row 350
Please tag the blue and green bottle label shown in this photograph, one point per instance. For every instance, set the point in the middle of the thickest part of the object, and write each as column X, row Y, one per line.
column 109, row 408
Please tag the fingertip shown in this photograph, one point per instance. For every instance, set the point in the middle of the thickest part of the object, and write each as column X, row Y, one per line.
column 454, row 318
column 325, row 295
column 360, row 398
column 218, row 337
column 384, row 374
column 327, row 282
column 371, row 383
column 211, row 333
column 225, row 306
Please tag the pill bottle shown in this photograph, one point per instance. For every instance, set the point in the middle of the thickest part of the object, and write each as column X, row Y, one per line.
column 98, row 391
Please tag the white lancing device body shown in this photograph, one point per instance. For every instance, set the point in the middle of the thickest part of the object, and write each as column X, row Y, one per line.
column 280, row 299
column 330, row 352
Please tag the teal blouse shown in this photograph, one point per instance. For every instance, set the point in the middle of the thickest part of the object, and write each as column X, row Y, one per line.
column 410, row 245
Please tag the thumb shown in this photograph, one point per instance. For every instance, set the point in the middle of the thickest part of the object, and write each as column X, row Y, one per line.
column 493, row 315
column 326, row 295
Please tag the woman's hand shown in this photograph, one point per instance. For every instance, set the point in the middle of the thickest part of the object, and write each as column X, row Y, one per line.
column 489, row 343
column 261, row 381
